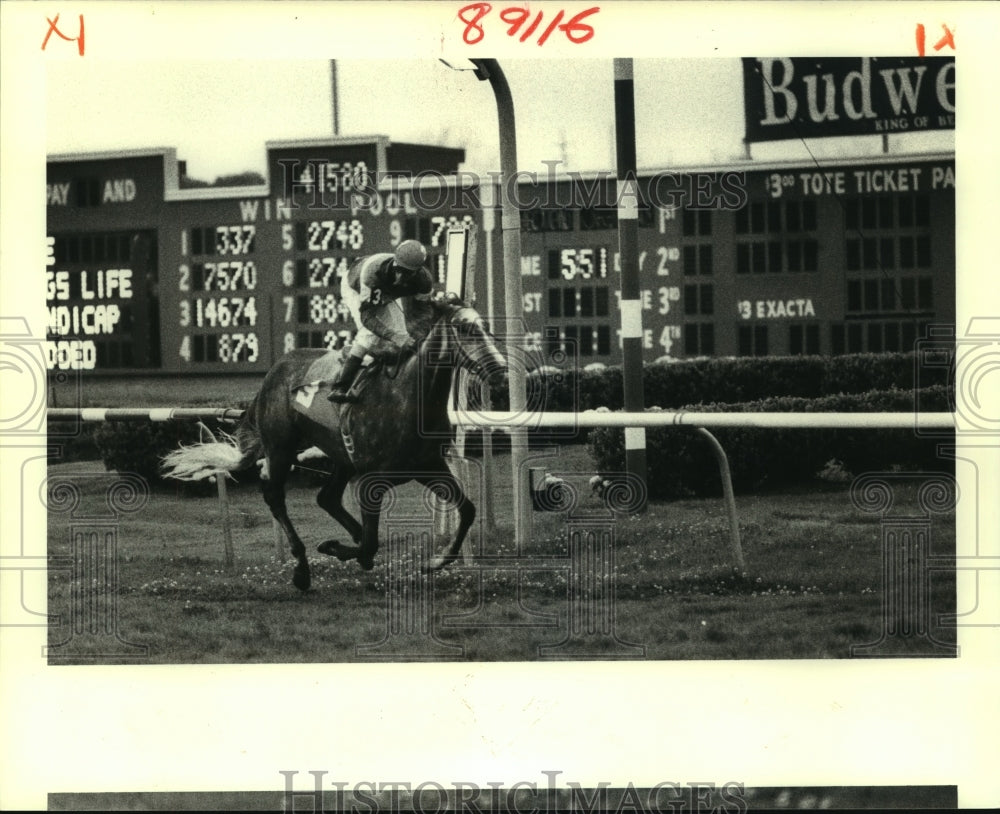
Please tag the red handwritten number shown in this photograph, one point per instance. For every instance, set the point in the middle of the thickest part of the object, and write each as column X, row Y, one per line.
column 948, row 38
column 54, row 28
column 473, row 30
column 515, row 16
column 550, row 29
column 577, row 31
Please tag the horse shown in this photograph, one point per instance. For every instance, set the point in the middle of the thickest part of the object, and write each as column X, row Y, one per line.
column 397, row 432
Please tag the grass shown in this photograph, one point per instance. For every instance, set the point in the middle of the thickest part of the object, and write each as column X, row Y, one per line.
column 154, row 391
column 813, row 586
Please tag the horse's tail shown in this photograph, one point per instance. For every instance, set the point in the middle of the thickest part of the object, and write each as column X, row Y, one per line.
column 222, row 455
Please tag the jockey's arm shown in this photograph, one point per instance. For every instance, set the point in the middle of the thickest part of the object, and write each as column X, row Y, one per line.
column 419, row 283
column 370, row 319
column 385, row 289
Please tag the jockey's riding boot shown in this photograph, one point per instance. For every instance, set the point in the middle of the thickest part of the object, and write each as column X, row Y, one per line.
column 341, row 387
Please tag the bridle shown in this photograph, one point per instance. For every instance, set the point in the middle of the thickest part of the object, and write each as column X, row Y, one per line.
column 466, row 320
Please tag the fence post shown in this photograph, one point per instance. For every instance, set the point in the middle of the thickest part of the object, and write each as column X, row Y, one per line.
column 227, row 531
column 735, row 546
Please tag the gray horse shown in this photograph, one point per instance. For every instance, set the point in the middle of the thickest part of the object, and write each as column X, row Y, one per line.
column 397, row 432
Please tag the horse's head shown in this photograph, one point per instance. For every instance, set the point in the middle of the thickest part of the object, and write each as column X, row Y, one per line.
column 476, row 345
column 459, row 336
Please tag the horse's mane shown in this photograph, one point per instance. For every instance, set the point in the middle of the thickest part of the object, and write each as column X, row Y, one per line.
column 422, row 315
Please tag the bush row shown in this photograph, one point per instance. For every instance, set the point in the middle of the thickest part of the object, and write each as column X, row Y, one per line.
column 802, row 383
column 733, row 380
column 138, row 446
column 72, row 441
column 680, row 462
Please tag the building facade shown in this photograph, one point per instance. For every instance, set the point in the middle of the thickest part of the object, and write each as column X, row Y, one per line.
column 746, row 259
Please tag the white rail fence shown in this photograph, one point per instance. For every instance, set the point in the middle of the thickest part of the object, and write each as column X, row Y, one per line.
column 699, row 422
column 466, row 419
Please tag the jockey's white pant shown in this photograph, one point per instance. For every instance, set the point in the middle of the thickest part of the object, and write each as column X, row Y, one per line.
column 391, row 315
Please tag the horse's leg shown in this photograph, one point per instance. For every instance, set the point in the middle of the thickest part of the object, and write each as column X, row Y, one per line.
column 369, row 536
column 278, row 465
column 371, row 492
column 447, row 488
column 331, row 500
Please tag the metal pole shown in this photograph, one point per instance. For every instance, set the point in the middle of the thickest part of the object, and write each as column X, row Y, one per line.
column 735, row 547
column 664, row 418
column 335, row 97
column 227, row 532
column 513, row 295
column 628, row 245
column 489, row 227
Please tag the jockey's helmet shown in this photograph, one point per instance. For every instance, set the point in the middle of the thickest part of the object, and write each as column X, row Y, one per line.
column 410, row 254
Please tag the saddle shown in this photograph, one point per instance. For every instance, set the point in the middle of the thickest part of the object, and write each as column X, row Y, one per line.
column 317, row 381
column 310, row 396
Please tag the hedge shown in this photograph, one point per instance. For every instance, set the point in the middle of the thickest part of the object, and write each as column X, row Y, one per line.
column 731, row 381
column 72, row 441
column 680, row 462
column 702, row 384
column 138, row 446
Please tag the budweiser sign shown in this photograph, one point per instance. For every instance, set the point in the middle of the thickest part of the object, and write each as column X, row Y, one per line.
column 813, row 97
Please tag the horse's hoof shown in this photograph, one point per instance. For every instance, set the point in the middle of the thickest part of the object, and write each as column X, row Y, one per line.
column 301, row 580
column 334, row 548
column 437, row 563
column 367, row 563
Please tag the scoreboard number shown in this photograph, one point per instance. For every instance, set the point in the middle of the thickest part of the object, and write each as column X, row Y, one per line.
column 325, row 271
column 322, row 235
column 229, row 275
column 586, row 264
column 235, row 239
column 233, row 346
column 228, row 348
column 671, row 255
column 669, row 335
column 324, row 309
column 668, row 294
column 441, row 223
column 225, row 312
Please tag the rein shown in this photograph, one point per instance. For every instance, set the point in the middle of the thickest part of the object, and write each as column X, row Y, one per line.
column 441, row 332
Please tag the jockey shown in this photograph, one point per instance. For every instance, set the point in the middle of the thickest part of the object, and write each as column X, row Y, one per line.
column 371, row 290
